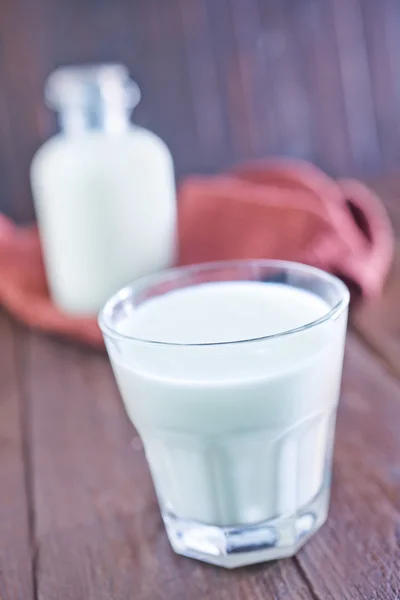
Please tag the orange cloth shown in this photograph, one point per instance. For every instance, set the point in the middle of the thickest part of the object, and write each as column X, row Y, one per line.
column 288, row 209
column 281, row 209
column 23, row 287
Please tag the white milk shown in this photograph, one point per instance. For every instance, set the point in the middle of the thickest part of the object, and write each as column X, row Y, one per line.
column 236, row 433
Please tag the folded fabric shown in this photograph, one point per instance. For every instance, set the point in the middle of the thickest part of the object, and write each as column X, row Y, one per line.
column 288, row 210
column 280, row 209
column 23, row 287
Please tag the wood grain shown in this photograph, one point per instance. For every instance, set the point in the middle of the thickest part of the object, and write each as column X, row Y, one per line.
column 357, row 553
column 381, row 41
column 19, row 97
column 79, row 518
column 97, row 525
column 221, row 81
column 95, row 522
column 377, row 322
column 353, row 61
column 16, row 575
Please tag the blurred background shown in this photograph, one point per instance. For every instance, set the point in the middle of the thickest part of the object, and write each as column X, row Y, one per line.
column 221, row 80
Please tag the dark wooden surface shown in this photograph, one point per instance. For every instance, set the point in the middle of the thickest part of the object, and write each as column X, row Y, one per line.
column 78, row 514
column 222, row 80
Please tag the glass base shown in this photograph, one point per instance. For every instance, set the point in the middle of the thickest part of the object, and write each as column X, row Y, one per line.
column 232, row 547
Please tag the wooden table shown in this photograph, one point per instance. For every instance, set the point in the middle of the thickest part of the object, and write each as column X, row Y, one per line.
column 78, row 515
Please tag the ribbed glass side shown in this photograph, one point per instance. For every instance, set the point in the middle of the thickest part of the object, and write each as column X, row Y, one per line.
column 243, row 478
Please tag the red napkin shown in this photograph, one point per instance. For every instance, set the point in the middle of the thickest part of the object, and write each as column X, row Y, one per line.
column 281, row 209
column 23, row 287
column 290, row 210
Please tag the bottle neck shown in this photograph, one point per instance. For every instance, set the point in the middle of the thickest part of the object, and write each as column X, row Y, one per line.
column 92, row 97
column 110, row 120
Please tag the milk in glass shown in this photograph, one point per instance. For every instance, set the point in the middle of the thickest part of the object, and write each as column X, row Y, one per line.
column 235, row 433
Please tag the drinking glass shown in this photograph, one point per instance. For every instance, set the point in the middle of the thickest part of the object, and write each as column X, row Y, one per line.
column 238, row 435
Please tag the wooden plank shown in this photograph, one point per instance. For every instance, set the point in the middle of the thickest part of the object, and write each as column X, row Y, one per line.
column 313, row 35
column 231, row 89
column 222, row 81
column 377, row 321
column 209, row 113
column 382, row 42
column 388, row 188
column 357, row 553
column 356, row 84
column 255, row 70
column 16, row 580
column 18, row 125
column 98, row 530
column 288, row 97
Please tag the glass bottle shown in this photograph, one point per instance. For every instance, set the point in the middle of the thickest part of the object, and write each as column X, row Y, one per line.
column 104, row 190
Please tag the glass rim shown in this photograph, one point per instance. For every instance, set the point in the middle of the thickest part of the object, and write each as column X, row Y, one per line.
column 145, row 281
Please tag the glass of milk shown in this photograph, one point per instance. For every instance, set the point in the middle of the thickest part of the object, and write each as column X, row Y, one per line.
column 231, row 373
